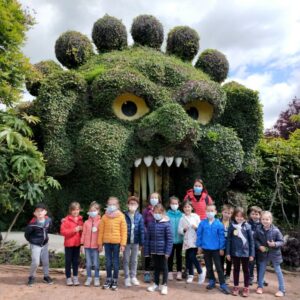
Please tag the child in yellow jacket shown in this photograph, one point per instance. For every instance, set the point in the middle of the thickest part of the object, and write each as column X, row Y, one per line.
column 113, row 236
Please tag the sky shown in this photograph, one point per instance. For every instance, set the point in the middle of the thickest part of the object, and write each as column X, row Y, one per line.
column 261, row 38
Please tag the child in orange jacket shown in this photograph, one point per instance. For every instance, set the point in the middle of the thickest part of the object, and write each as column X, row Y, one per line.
column 71, row 229
column 113, row 236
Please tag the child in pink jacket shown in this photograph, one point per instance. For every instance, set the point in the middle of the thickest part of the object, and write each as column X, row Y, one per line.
column 89, row 240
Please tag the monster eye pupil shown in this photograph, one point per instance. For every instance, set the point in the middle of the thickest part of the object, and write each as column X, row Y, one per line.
column 129, row 108
column 193, row 113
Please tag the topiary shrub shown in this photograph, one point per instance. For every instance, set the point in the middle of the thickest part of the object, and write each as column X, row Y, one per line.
column 146, row 30
column 73, row 49
column 109, row 33
column 183, row 42
column 214, row 63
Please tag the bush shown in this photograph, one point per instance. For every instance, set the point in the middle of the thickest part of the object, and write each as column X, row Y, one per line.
column 109, row 34
column 183, row 42
column 73, row 49
column 213, row 63
column 146, row 30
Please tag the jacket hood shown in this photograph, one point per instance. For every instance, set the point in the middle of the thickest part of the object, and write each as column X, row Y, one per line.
column 71, row 218
column 190, row 192
column 174, row 212
column 34, row 220
column 113, row 215
column 94, row 219
column 165, row 218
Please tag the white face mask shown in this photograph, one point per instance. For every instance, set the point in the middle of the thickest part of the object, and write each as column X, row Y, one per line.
column 111, row 208
column 132, row 208
column 153, row 201
column 210, row 214
column 174, row 206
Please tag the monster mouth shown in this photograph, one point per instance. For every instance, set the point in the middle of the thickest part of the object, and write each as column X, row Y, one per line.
column 156, row 174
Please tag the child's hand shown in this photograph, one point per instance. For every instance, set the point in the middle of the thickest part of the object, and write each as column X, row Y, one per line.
column 100, row 248
column 77, row 228
column 221, row 252
column 81, row 249
column 228, row 257
column 122, row 248
column 262, row 248
column 271, row 244
column 194, row 226
column 166, row 256
column 186, row 228
column 251, row 258
column 199, row 251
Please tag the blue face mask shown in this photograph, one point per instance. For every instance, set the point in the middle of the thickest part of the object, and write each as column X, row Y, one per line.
column 197, row 190
column 157, row 217
column 153, row 201
column 111, row 208
column 92, row 214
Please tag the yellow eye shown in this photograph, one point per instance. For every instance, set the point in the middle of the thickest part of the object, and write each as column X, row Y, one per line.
column 129, row 107
column 201, row 111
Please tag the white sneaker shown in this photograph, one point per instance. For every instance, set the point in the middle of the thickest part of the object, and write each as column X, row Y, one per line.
column 69, row 281
column 134, row 281
column 88, row 281
column 179, row 276
column 170, row 276
column 96, row 281
column 152, row 288
column 201, row 277
column 76, row 281
column 164, row 290
column 190, row 279
column 127, row 282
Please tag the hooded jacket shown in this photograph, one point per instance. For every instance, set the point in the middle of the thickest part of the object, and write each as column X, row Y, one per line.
column 67, row 229
column 89, row 237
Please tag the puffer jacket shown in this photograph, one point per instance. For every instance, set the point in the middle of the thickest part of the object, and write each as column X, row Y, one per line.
column 261, row 236
column 139, row 231
column 240, row 244
column 36, row 233
column 175, row 216
column 159, row 238
column 200, row 204
column 67, row 229
column 148, row 216
column 113, row 229
column 89, row 237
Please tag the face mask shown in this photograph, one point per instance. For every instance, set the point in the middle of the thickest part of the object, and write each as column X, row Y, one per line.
column 210, row 214
column 174, row 206
column 157, row 217
column 153, row 201
column 132, row 208
column 111, row 208
column 93, row 214
column 197, row 190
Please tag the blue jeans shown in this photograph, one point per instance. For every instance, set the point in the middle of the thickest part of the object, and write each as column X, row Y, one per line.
column 262, row 270
column 112, row 252
column 92, row 259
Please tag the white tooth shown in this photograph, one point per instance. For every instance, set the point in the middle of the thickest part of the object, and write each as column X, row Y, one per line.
column 137, row 162
column 169, row 160
column 185, row 162
column 148, row 160
column 178, row 161
column 159, row 160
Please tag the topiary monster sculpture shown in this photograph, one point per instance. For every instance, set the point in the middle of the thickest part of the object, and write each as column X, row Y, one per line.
column 135, row 119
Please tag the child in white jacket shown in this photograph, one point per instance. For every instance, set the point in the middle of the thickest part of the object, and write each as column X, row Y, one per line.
column 188, row 225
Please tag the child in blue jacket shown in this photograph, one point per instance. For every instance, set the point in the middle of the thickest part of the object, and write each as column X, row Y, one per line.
column 175, row 215
column 158, row 244
column 211, row 240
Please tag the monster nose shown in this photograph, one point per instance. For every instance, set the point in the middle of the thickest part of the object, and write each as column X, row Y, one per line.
column 169, row 122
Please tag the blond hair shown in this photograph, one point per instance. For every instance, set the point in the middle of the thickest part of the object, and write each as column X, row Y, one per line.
column 74, row 205
column 94, row 204
column 267, row 213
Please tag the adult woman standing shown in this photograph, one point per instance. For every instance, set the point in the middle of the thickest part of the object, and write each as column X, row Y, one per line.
column 199, row 198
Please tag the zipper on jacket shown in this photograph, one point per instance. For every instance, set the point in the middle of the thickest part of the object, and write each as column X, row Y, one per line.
column 91, row 233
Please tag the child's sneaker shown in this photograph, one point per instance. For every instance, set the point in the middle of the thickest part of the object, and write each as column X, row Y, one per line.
column 69, row 281
column 235, row 291
column 134, row 281
column 164, row 290
column 179, row 276
column 96, row 281
column 265, row 283
column 245, row 292
column 190, row 279
column 30, row 281
column 114, row 285
column 170, row 276
column 224, row 289
column 211, row 285
column 201, row 277
column 147, row 277
column 76, row 281
column 106, row 284
column 279, row 294
column 153, row 288
column 127, row 282
column 259, row 290
column 48, row 280
column 88, row 281
column 251, row 281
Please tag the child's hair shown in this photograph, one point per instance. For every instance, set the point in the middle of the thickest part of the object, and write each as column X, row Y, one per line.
column 160, row 207
column 268, row 213
column 256, row 209
column 113, row 198
column 227, row 207
column 186, row 203
column 158, row 196
column 174, row 198
column 211, row 205
column 94, row 204
column 238, row 210
column 133, row 198
column 200, row 181
column 74, row 205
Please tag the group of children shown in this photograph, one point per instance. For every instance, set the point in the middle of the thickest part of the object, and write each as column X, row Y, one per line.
column 161, row 235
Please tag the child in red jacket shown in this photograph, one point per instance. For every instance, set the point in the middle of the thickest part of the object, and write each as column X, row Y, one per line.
column 71, row 229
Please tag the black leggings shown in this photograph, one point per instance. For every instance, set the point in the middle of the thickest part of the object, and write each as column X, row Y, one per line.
column 160, row 263
column 72, row 260
column 178, row 249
